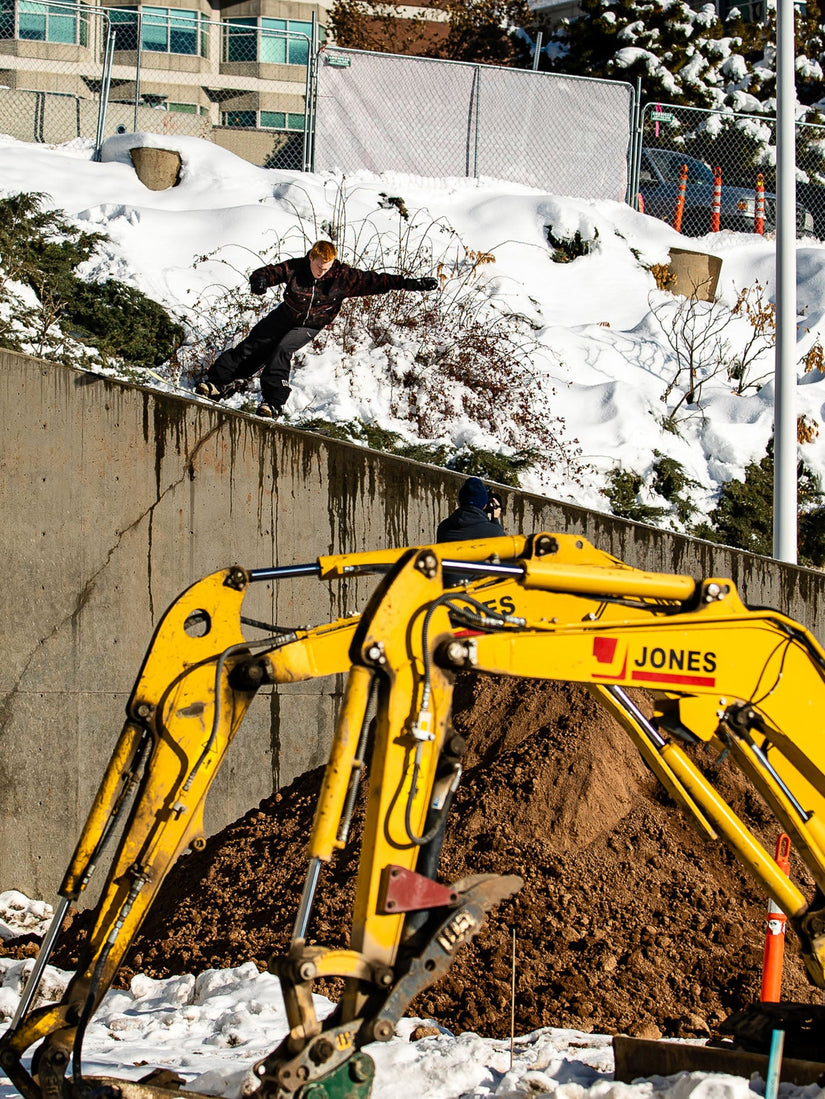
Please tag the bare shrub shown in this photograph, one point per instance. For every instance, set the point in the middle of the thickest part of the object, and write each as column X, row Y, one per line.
column 761, row 317
column 695, row 331
column 708, row 340
column 457, row 353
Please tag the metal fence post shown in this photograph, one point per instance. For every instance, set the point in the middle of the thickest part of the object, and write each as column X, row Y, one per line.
column 138, row 59
column 39, row 115
column 104, row 89
column 635, row 152
column 308, row 152
column 477, row 113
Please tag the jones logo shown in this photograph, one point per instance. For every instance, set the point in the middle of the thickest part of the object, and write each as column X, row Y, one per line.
column 677, row 660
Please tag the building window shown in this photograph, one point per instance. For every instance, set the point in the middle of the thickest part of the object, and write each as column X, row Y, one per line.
column 32, row 21
column 271, row 41
column 185, row 108
column 124, row 24
column 162, row 30
column 281, row 120
column 245, row 119
column 264, row 120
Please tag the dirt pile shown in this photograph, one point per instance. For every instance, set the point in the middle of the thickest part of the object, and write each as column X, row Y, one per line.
column 628, row 920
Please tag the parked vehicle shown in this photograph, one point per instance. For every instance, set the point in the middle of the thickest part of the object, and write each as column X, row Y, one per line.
column 659, row 182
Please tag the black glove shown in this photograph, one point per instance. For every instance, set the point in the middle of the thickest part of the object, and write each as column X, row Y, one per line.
column 258, row 282
column 421, row 284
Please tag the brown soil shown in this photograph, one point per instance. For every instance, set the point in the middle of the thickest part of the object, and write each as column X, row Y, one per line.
column 628, row 920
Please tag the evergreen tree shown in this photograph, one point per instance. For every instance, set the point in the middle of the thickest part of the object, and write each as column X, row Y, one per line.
column 689, row 56
column 41, row 248
column 657, row 40
column 743, row 517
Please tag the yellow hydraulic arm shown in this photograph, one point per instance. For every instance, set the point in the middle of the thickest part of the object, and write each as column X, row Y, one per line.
column 198, row 678
column 751, row 682
column 548, row 606
column 748, row 681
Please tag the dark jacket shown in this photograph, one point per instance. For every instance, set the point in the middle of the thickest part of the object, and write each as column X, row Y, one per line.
column 315, row 303
column 467, row 522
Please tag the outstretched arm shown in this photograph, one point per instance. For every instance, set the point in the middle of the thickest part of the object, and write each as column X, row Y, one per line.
column 364, row 283
column 271, row 274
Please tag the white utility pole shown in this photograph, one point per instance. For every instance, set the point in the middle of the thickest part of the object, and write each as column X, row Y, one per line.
column 784, row 476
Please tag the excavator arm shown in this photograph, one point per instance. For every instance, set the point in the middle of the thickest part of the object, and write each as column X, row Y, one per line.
column 547, row 606
column 198, row 678
column 749, row 682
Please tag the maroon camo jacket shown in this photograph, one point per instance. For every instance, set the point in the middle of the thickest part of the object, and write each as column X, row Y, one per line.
column 315, row 303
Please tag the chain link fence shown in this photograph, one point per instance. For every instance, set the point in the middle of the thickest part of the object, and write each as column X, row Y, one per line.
column 261, row 88
column 743, row 148
column 243, row 82
column 75, row 71
column 389, row 112
column 50, row 69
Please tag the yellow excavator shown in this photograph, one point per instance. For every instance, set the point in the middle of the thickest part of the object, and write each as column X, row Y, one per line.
column 750, row 682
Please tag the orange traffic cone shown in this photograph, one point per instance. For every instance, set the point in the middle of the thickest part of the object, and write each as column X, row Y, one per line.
column 759, row 206
column 680, row 198
column 716, row 202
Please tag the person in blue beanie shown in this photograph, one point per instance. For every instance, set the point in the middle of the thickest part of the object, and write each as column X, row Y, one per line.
column 470, row 519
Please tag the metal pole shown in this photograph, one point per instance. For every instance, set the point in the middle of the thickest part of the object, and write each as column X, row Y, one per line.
column 299, row 931
column 138, row 60
column 475, row 143
column 309, row 95
column 43, row 955
column 784, row 479
column 105, row 84
column 635, row 157
column 284, row 572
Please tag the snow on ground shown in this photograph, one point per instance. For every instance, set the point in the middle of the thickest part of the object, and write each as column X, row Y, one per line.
column 598, row 337
column 211, row 1028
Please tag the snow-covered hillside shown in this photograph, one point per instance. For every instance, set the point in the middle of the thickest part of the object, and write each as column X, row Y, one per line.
column 566, row 351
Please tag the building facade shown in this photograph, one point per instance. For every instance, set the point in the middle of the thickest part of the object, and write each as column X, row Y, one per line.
column 218, row 71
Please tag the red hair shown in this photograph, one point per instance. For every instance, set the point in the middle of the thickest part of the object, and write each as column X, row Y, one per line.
column 324, row 251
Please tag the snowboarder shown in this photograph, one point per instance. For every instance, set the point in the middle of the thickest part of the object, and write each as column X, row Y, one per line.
column 316, row 286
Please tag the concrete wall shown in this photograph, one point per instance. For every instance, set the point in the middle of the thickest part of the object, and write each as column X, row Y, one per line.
column 115, row 499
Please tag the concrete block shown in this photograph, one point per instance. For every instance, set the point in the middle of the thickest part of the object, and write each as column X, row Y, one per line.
column 157, row 169
column 694, row 273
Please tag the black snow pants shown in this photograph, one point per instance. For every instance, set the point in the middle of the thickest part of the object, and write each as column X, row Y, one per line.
column 270, row 345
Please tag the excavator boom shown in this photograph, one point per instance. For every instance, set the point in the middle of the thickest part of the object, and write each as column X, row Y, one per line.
column 549, row 606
